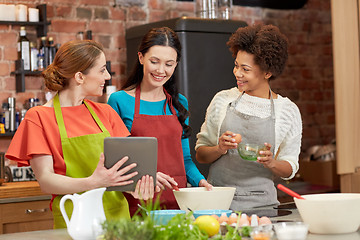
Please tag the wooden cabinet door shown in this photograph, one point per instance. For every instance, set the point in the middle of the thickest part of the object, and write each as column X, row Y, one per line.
column 25, row 216
column 346, row 54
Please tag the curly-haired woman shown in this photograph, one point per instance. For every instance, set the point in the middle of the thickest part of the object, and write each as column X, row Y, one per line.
column 261, row 116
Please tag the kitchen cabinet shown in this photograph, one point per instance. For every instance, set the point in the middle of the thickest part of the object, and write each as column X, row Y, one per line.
column 23, row 207
column 25, row 216
column 346, row 55
column 41, row 30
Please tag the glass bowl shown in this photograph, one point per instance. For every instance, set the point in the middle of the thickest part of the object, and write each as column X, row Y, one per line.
column 250, row 151
column 291, row 230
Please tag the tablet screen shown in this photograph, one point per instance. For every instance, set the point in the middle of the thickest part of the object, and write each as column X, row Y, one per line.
column 140, row 150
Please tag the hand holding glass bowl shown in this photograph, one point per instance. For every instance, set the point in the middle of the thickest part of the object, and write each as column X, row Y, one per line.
column 250, row 151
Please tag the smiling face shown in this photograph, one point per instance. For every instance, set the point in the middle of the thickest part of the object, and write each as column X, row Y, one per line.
column 159, row 64
column 249, row 77
column 94, row 79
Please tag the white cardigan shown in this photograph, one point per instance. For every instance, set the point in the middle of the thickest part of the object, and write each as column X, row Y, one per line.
column 288, row 124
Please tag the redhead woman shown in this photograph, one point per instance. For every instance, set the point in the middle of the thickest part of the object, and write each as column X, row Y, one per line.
column 63, row 139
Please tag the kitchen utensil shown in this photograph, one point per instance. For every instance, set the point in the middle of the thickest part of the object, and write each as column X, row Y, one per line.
column 250, row 151
column 199, row 198
column 288, row 191
column 87, row 216
column 210, row 212
column 162, row 217
column 330, row 213
column 291, row 230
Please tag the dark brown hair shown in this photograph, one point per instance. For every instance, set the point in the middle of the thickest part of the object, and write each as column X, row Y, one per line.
column 268, row 45
column 72, row 57
column 162, row 36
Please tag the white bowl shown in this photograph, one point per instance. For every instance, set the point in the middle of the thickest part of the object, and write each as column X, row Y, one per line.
column 198, row 198
column 330, row 213
column 291, row 230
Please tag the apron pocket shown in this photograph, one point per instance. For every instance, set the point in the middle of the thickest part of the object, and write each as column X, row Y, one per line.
column 250, row 193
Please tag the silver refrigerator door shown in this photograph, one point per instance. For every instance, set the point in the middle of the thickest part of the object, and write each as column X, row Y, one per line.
column 205, row 67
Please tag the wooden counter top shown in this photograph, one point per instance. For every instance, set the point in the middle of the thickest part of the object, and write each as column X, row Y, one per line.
column 20, row 189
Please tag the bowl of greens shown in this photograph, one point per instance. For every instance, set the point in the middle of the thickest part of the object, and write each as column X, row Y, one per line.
column 250, row 151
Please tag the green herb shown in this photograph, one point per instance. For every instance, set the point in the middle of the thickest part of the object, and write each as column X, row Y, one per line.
column 142, row 227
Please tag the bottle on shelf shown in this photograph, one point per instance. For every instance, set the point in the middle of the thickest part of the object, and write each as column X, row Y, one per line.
column 89, row 35
column 24, row 48
column 44, row 50
column 80, row 36
column 51, row 49
column 34, row 52
column 41, row 64
column 12, row 113
column 6, row 116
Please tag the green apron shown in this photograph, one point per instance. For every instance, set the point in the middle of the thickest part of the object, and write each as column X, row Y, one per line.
column 81, row 156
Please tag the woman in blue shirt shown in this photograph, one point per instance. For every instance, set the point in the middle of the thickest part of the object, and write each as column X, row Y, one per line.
column 150, row 105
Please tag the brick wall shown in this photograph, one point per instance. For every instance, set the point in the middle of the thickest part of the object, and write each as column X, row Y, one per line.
column 308, row 79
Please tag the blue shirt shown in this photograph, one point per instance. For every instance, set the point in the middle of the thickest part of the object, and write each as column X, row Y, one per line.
column 124, row 105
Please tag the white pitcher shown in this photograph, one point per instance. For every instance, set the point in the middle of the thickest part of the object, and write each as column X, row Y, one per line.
column 87, row 216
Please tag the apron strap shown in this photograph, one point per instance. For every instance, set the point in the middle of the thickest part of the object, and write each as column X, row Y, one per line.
column 137, row 99
column 95, row 117
column 168, row 101
column 60, row 119
column 59, row 116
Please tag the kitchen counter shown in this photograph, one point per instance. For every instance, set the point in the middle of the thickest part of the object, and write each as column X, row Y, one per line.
column 61, row 234
column 21, row 191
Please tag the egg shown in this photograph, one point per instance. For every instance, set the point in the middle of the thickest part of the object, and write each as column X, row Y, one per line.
column 254, row 220
column 237, row 138
column 233, row 218
column 223, row 218
column 264, row 221
column 215, row 216
column 243, row 222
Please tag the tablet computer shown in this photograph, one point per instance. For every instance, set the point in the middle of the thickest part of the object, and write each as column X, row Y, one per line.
column 140, row 150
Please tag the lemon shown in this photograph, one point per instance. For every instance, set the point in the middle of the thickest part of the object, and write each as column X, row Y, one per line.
column 208, row 224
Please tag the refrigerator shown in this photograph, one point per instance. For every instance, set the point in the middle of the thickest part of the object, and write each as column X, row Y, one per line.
column 205, row 67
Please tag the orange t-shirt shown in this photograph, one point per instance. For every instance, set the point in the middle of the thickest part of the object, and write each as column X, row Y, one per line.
column 39, row 133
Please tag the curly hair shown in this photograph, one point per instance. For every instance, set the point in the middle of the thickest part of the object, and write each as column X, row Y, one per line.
column 268, row 45
column 72, row 57
column 162, row 36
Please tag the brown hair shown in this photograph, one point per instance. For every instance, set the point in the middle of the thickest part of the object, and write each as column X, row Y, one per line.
column 72, row 57
column 267, row 44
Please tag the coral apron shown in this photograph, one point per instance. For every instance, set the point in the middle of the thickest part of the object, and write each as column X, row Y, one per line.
column 254, row 183
column 168, row 131
column 81, row 156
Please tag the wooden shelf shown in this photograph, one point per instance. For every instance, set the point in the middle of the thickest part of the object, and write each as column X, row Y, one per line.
column 7, row 134
column 41, row 30
column 41, row 26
